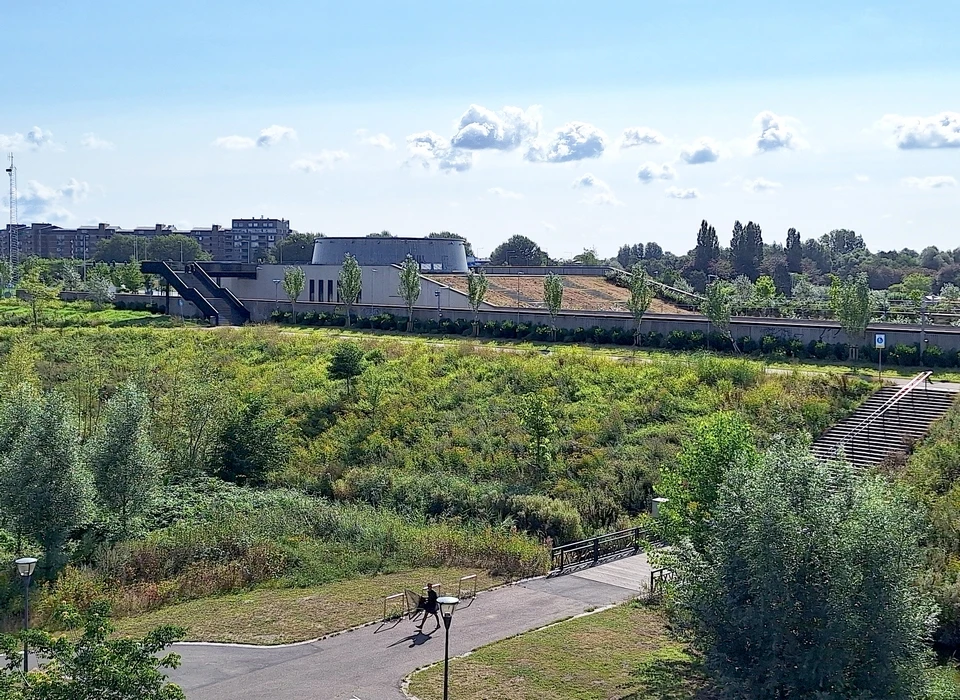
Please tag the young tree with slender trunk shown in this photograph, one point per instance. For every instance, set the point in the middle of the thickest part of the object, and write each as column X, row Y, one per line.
column 410, row 286
column 553, row 296
column 717, row 306
column 40, row 294
column 851, row 303
column 350, row 281
column 641, row 295
column 122, row 458
column 294, row 280
column 476, row 291
column 43, row 489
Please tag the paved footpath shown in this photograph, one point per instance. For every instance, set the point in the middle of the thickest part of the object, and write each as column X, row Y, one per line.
column 369, row 663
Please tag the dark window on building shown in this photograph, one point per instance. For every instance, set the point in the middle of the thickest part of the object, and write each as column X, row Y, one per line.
column 329, row 290
column 313, row 288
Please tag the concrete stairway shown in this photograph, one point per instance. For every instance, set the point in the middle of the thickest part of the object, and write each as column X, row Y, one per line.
column 226, row 313
column 888, row 422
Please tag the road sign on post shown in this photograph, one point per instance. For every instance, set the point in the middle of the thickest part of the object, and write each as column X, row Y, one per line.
column 880, row 342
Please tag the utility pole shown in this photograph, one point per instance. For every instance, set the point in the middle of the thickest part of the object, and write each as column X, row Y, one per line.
column 13, row 232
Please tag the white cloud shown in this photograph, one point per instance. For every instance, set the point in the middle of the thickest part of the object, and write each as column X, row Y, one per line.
column 939, row 131
column 234, row 143
column 704, row 150
column 34, row 139
column 573, row 141
column 650, row 171
column 598, row 192
column 274, row 134
column 481, row 128
column 95, row 143
column 318, row 162
column 862, row 178
column 641, row 136
column 505, row 194
column 680, row 193
column 376, row 140
column 761, row 184
column 548, row 226
column 39, row 202
column 775, row 133
column 428, row 147
column 934, row 182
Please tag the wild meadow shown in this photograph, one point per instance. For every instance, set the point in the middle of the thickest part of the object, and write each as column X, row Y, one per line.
column 293, row 460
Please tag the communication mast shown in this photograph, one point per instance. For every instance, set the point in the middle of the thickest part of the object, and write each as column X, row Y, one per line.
column 13, row 230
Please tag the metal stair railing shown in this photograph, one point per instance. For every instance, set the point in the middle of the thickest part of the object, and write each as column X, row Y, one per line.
column 881, row 412
column 152, row 267
column 219, row 291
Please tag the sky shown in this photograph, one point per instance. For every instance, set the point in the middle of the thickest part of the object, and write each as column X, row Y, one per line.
column 580, row 125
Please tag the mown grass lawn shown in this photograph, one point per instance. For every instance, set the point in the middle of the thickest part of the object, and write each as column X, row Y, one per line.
column 625, row 653
column 285, row 615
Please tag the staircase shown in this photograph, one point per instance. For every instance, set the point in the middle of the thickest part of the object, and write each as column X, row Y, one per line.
column 889, row 422
column 218, row 305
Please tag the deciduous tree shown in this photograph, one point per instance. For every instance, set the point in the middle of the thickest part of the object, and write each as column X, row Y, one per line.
column 642, row 293
column 518, row 250
column 350, row 281
column 409, row 286
column 294, row 280
column 553, row 297
column 717, row 306
column 804, row 585
column 39, row 294
column 175, row 247
column 851, row 303
column 707, row 250
column 251, row 444
column 477, row 285
column 122, row 458
column 346, row 363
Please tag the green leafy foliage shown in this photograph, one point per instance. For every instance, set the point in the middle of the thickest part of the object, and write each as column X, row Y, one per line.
column 409, row 286
column 252, row 443
column 294, row 280
column 850, row 301
column 518, row 250
column 804, row 585
column 642, row 293
column 94, row 665
column 477, row 286
column 350, row 281
column 122, row 458
column 553, row 297
column 346, row 363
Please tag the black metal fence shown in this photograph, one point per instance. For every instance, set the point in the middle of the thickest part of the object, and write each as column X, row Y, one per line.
column 592, row 550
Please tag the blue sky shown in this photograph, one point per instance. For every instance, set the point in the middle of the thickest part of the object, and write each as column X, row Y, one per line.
column 577, row 124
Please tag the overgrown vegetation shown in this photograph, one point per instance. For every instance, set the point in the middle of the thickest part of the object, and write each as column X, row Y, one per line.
column 430, row 457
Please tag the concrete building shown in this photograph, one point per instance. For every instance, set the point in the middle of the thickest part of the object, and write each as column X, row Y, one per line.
column 379, row 260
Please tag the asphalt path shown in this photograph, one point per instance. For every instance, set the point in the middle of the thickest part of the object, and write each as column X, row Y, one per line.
column 371, row 662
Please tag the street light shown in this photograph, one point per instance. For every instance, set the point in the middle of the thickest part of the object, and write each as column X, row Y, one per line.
column 448, row 604
column 436, row 293
column 276, row 292
column 25, row 567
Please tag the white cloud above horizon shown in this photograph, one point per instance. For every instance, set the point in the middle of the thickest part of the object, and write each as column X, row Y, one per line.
column 43, row 203
column 380, row 140
column 93, row 142
column 703, row 150
column 428, row 148
column 234, row 143
column 35, row 139
column 480, row 128
column 933, row 182
column 650, row 171
column 939, row 131
column 571, row 142
column 320, row 161
column 761, row 185
column 596, row 191
column 504, row 194
column 775, row 133
column 636, row 136
column 268, row 137
column 681, row 193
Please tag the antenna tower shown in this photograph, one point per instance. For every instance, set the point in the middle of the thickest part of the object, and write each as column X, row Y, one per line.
column 13, row 230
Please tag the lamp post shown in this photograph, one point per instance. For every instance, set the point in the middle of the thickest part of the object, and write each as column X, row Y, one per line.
column 518, row 296
column 436, row 293
column 276, row 292
column 448, row 604
column 25, row 567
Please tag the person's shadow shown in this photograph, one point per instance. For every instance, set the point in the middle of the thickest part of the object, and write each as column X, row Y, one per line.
column 416, row 639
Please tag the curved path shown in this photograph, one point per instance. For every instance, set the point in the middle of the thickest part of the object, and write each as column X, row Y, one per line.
column 369, row 663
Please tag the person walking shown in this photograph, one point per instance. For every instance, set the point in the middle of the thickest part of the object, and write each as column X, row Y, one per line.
column 430, row 607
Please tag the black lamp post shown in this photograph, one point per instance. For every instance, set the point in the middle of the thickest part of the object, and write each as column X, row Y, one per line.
column 25, row 567
column 448, row 604
column 436, row 293
column 276, row 291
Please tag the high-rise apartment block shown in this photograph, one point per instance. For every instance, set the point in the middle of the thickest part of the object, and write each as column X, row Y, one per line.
column 247, row 240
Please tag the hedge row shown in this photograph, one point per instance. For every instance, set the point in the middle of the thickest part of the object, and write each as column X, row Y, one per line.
column 768, row 346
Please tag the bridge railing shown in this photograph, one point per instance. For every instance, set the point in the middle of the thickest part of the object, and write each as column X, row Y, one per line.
column 594, row 549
